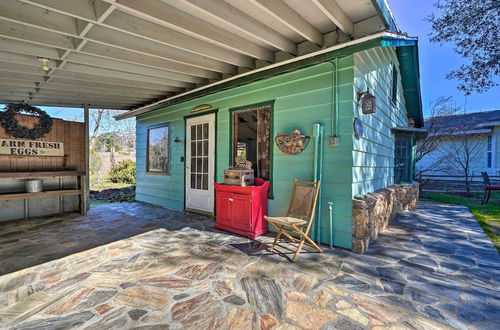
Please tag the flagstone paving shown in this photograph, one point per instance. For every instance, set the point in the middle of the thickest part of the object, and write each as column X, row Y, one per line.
column 134, row 265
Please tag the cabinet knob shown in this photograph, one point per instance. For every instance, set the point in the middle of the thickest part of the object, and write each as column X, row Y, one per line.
column 230, row 199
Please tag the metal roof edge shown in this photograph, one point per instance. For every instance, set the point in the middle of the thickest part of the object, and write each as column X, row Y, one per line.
column 386, row 14
column 413, row 130
column 409, row 68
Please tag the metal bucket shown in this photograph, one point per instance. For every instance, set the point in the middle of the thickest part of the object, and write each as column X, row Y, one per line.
column 34, row 185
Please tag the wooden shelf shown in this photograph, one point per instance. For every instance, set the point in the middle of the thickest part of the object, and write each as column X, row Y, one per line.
column 39, row 175
column 49, row 193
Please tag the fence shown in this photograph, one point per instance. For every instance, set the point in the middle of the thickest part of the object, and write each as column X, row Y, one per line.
column 453, row 183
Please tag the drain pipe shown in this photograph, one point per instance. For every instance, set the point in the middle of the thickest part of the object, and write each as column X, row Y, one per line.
column 320, row 177
column 330, row 209
column 318, row 130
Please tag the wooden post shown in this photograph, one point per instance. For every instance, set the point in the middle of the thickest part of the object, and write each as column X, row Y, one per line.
column 86, row 185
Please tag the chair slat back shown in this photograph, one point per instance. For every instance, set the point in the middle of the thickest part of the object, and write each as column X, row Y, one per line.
column 486, row 178
column 303, row 199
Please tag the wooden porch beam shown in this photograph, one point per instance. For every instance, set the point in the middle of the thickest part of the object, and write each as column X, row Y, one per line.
column 333, row 11
column 159, row 13
column 288, row 17
column 76, row 72
column 224, row 12
column 128, row 31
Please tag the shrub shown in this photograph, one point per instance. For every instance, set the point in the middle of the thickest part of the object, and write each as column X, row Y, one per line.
column 123, row 172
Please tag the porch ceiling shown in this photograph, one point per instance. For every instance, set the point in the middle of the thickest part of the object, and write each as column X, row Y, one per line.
column 125, row 54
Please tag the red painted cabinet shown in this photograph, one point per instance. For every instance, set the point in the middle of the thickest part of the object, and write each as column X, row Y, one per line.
column 241, row 210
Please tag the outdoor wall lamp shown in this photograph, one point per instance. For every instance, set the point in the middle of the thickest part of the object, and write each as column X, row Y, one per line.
column 368, row 102
column 45, row 66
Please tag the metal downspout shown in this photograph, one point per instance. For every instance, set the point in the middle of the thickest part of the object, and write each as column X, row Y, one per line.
column 320, row 177
column 318, row 130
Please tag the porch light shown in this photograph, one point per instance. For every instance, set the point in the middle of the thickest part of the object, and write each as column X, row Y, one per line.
column 45, row 66
column 368, row 104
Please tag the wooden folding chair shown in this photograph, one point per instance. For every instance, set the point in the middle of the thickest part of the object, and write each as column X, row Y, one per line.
column 299, row 216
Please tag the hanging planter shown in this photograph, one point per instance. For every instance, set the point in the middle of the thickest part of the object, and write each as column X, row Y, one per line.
column 293, row 143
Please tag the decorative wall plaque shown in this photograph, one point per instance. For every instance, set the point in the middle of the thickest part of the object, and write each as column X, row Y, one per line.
column 30, row 148
column 292, row 143
column 201, row 107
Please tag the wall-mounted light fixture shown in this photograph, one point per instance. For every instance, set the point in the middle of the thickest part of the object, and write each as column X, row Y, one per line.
column 45, row 65
column 368, row 102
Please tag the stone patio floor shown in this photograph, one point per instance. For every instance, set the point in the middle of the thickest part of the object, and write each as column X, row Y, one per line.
column 134, row 265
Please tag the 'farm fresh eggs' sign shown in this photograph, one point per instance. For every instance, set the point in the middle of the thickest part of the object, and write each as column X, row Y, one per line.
column 30, row 148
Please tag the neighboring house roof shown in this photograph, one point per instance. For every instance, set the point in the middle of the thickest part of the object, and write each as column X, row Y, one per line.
column 472, row 123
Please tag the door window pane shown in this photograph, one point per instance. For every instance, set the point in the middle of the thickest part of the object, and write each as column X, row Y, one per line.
column 193, row 133
column 199, row 165
column 205, row 182
column 193, row 148
column 199, row 156
column 198, row 181
column 205, row 148
column 205, row 164
column 205, row 131
column 193, row 164
column 199, row 134
column 193, row 181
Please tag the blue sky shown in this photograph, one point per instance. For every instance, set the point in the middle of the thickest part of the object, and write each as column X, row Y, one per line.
column 435, row 60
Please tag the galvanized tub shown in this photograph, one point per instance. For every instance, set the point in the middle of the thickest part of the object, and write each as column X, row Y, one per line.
column 34, row 185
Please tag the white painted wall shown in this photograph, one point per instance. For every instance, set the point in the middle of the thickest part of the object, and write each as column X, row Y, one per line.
column 478, row 164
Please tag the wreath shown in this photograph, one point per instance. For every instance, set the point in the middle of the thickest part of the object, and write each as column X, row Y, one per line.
column 12, row 127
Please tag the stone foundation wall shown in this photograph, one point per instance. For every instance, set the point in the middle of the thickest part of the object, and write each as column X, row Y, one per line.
column 372, row 212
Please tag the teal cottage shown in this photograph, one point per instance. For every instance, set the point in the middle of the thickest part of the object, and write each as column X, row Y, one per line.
column 352, row 86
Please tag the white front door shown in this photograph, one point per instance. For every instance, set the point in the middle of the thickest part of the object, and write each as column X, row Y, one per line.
column 200, row 154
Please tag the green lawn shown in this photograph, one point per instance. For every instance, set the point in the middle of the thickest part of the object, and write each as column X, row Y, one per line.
column 488, row 216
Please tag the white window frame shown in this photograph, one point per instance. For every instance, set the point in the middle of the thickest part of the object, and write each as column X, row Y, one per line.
column 489, row 151
column 494, row 148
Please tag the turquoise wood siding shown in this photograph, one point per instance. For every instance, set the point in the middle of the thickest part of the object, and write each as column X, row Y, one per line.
column 373, row 154
column 301, row 99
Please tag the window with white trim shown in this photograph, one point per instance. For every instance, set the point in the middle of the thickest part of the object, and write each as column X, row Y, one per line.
column 489, row 152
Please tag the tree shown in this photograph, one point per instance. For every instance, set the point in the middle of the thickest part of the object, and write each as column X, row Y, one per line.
column 427, row 159
column 116, row 134
column 474, row 28
column 434, row 124
column 461, row 152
